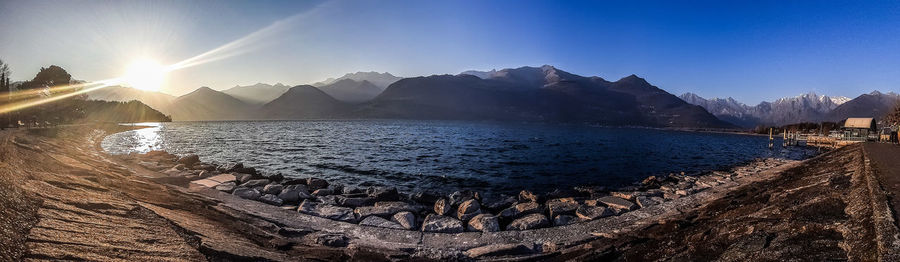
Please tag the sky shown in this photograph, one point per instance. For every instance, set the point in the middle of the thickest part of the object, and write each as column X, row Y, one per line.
column 750, row 50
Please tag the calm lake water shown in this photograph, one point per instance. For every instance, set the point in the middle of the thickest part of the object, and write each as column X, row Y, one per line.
column 442, row 156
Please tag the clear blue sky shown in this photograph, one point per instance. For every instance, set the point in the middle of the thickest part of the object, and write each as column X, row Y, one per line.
column 750, row 50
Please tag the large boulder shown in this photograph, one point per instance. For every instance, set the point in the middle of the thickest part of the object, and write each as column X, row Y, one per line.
column 593, row 212
column 458, row 197
column 380, row 193
column 256, row 183
column 316, row 183
column 561, row 206
column 374, row 221
column 442, row 207
column 468, row 209
column 326, row 211
column 384, row 209
column 441, row 224
column 246, row 193
column 406, row 219
column 424, row 197
column 271, row 199
column 528, row 196
column 226, row 187
column 272, row 189
column 531, row 221
column 521, row 209
column 499, row 203
column 484, row 223
column 617, row 202
column 188, row 160
column 293, row 194
column 354, row 201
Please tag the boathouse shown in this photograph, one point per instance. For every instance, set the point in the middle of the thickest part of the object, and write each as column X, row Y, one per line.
column 859, row 128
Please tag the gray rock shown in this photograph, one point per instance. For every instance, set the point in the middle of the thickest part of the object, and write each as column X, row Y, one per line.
column 329, row 200
column 592, row 212
column 354, row 201
column 326, row 211
column 323, row 192
column 617, row 202
column 400, row 206
column 256, row 183
column 531, row 221
column 461, row 196
column 374, row 221
column 623, row 195
column 521, row 209
column 527, row 196
column 272, row 189
column 246, row 193
column 441, row 224
column 562, row 206
column 316, row 183
column 501, row 203
column 351, row 190
column 484, row 223
column 271, row 199
column 226, row 187
column 562, row 220
column 406, row 219
column 384, row 209
column 442, row 207
column 468, row 209
column 645, row 202
column 383, row 193
column 188, row 160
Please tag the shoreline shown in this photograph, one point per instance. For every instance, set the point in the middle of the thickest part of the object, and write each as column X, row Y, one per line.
column 208, row 223
column 680, row 168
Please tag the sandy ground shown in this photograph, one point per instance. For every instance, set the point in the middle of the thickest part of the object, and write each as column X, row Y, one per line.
column 61, row 199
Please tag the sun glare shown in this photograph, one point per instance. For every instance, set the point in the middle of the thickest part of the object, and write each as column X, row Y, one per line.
column 145, row 75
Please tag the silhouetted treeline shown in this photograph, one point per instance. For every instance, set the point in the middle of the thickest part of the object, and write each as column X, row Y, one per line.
column 70, row 107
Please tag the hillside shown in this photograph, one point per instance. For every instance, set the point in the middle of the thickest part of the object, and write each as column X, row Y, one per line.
column 156, row 100
column 257, row 94
column 303, row 102
column 207, row 104
column 353, row 91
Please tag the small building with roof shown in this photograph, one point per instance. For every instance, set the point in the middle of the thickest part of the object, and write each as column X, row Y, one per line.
column 859, row 128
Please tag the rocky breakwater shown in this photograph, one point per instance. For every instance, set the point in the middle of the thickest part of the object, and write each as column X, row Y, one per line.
column 461, row 211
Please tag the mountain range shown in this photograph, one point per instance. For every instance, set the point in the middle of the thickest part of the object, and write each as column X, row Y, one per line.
column 544, row 94
column 808, row 107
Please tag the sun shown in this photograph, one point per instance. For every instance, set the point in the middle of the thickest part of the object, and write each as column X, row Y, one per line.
column 145, row 74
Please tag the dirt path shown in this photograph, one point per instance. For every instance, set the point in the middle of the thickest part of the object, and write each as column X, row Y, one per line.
column 886, row 162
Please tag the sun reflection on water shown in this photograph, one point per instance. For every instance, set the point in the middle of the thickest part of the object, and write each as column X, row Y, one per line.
column 146, row 139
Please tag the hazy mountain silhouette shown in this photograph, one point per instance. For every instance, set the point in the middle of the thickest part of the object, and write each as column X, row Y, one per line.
column 303, row 102
column 540, row 94
column 875, row 104
column 353, row 91
column 257, row 94
column 156, row 100
column 207, row 104
column 480, row 74
column 381, row 80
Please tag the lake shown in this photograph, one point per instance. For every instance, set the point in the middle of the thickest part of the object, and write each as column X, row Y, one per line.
column 443, row 156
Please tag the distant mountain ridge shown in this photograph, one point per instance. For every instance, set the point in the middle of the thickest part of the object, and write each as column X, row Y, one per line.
column 258, row 93
column 808, row 107
column 349, row 90
column 381, row 80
